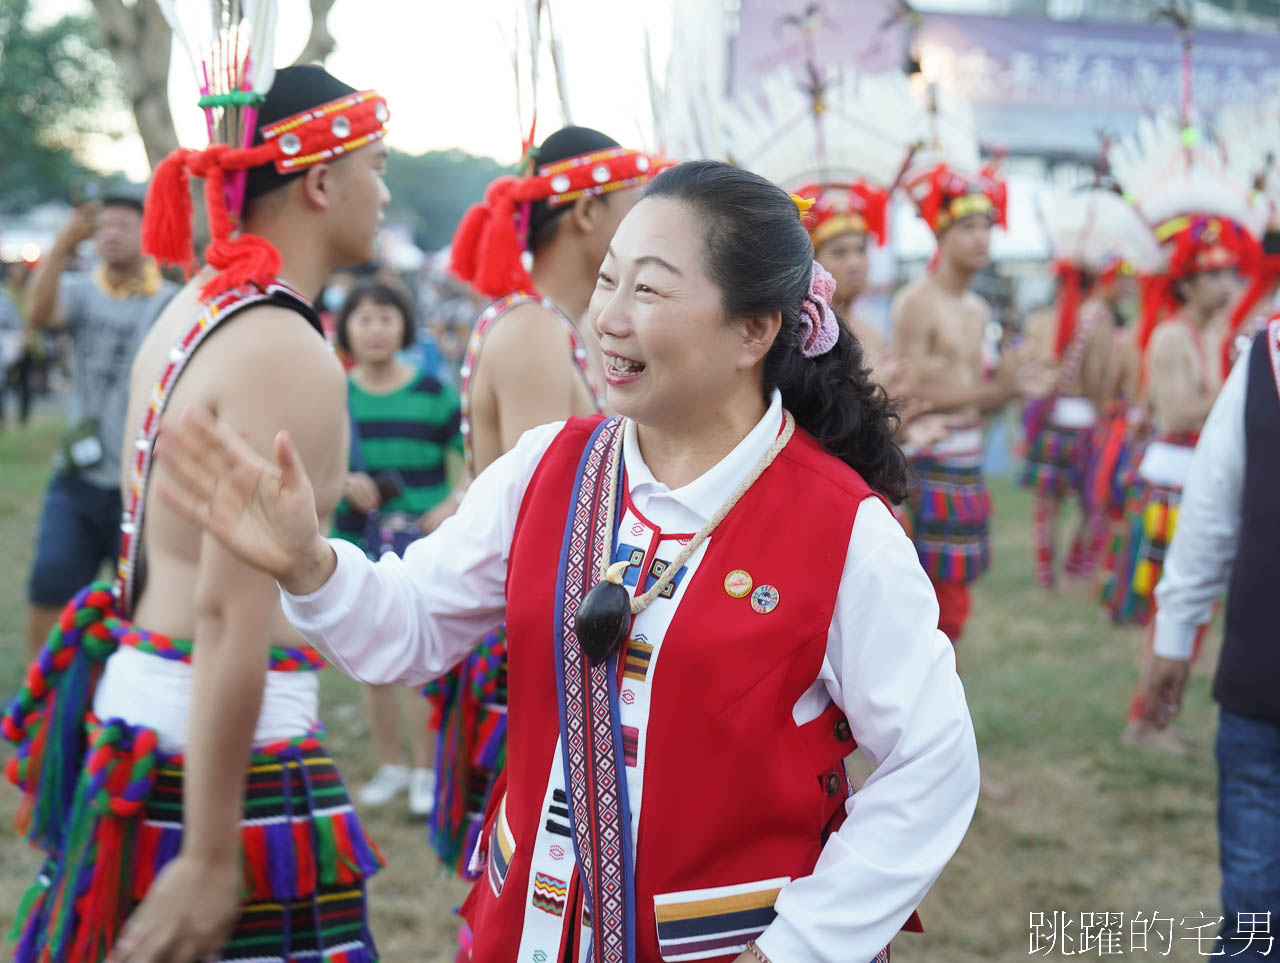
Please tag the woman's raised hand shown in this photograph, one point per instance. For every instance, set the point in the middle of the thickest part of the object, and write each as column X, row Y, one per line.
column 262, row 512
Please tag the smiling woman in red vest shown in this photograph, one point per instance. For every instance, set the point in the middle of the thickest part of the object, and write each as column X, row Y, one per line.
column 709, row 605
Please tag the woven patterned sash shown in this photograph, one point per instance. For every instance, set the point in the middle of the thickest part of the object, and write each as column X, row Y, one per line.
column 590, row 736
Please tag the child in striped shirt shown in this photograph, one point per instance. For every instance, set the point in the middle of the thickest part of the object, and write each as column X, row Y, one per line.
column 404, row 425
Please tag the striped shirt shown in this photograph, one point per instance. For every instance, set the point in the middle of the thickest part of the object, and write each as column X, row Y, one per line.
column 410, row 431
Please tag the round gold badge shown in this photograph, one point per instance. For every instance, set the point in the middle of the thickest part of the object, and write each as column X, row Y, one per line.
column 738, row 584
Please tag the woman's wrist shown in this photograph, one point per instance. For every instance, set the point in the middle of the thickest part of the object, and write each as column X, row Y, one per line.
column 313, row 569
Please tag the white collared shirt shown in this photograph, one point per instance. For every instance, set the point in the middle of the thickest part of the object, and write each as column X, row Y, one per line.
column 887, row 666
column 1197, row 566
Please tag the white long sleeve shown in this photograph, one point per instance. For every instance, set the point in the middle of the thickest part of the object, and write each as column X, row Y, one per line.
column 1198, row 563
column 410, row 620
column 895, row 679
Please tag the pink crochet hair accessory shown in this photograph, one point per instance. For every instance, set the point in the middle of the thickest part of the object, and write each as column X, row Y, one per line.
column 819, row 327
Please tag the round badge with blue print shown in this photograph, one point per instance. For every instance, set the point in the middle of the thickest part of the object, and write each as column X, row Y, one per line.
column 764, row 599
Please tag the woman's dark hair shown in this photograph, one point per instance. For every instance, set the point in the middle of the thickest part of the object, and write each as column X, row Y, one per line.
column 759, row 255
column 377, row 292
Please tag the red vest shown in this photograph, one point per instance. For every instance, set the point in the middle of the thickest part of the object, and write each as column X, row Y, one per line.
column 734, row 791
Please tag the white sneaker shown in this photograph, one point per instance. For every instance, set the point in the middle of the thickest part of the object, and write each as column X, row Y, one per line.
column 387, row 783
column 422, row 792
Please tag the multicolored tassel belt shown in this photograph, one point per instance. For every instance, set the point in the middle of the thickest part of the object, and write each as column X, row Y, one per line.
column 472, row 748
column 299, row 834
column 47, row 715
column 106, row 805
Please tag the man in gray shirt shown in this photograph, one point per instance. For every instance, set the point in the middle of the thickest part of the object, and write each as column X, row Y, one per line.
column 106, row 312
column 11, row 350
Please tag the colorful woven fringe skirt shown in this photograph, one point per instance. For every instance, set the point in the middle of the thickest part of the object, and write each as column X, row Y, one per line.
column 1142, row 538
column 471, row 705
column 105, row 804
column 1057, row 461
column 1104, row 488
column 1122, row 603
column 949, row 508
column 1159, row 518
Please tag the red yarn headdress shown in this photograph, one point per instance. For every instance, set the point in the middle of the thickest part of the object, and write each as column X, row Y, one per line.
column 1072, row 291
column 1196, row 243
column 311, row 137
column 944, row 194
column 1264, row 278
column 489, row 241
column 856, row 208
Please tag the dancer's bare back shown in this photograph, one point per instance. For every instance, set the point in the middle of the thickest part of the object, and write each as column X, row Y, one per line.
column 265, row 369
column 525, row 376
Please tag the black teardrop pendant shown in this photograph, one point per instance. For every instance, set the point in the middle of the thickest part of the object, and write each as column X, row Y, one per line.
column 603, row 620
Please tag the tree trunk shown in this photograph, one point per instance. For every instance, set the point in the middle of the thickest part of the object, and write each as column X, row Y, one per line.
column 139, row 40
column 320, row 43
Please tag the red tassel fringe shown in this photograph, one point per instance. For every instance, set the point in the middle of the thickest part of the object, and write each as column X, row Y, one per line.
column 1070, row 289
column 166, row 223
column 486, row 249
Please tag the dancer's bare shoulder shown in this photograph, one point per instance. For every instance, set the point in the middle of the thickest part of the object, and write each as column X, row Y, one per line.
column 270, row 370
column 525, row 376
column 527, row 331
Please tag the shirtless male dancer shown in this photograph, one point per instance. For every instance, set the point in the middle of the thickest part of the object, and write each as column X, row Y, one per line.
column 939, row 327
column 1076, row 346
column 1204, row 215
column 842, row 222
column 1183, row 377
column 228, row 832
column 530, row 362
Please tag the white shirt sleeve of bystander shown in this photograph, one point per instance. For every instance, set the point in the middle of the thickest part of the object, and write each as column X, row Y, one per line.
column 410, row 620
column 896, row 682
column 1198, row 563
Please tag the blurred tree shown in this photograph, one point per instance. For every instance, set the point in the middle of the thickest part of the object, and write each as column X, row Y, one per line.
column 430, row 192
column 139, row 40
column 54, row 86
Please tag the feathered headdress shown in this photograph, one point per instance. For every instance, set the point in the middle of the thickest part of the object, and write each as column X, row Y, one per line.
column 1249, row 137
column 232, row 59
column 1093, row 231
column 841, row 141
column 1204, row 217
column 947, row 180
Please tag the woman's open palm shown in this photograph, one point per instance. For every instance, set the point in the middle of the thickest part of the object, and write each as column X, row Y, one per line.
column 264, row 513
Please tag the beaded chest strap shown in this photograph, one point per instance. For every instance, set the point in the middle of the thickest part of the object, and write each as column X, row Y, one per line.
column 214, row 313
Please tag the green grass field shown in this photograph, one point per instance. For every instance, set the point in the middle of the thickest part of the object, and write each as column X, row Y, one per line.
column 1092, row 826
